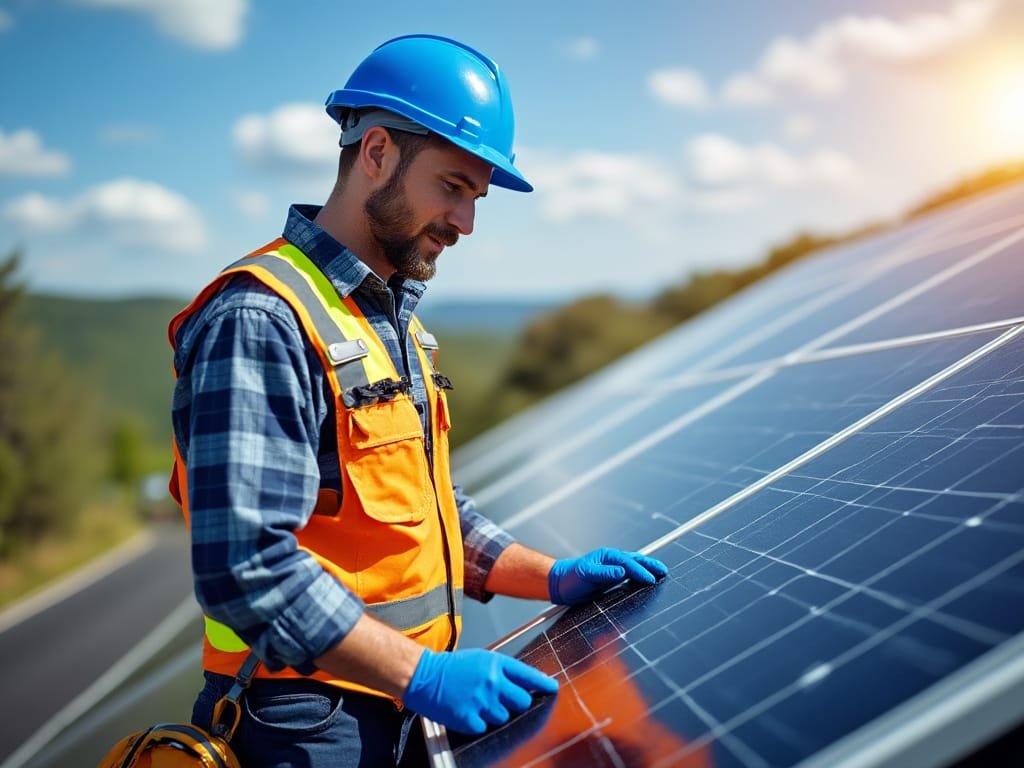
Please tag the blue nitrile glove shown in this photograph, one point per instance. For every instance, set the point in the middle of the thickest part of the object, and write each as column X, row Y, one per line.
column 575, row 580
column 469, row 690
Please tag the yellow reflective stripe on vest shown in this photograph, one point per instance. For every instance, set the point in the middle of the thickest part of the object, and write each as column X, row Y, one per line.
column 222, row 637
column 377, row 368
column 349, row 371
column 403, row 614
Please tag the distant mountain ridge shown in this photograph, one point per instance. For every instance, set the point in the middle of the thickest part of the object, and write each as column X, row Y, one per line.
column 504, row 316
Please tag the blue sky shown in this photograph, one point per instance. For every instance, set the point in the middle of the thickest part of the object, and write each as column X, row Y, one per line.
column 146, row 143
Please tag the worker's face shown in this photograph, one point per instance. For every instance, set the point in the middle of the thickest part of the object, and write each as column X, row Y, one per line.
column 414, row 215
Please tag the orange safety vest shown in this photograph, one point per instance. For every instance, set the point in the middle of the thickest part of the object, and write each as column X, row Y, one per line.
column 395, row 539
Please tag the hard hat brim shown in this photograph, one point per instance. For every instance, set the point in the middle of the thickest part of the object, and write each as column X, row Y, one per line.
column 504, row 175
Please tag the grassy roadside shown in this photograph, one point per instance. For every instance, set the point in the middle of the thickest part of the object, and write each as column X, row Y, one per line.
column 101, row 526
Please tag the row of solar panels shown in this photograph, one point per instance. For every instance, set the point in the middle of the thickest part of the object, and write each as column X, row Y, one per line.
column 832, row 463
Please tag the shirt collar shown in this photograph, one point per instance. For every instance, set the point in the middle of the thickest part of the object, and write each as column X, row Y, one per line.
column 343, row 268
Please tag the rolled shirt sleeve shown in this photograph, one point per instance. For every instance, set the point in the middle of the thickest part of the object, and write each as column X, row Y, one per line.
column 482, row 541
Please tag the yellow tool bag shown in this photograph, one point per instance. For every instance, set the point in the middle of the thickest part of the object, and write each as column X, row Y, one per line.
column 182, row 745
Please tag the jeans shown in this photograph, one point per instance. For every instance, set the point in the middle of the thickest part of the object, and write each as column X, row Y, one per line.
column 308, row 724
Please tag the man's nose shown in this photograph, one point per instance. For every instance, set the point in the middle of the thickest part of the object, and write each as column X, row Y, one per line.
column 462, row 215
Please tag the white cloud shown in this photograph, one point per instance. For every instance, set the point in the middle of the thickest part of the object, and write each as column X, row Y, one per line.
column 716, row 159
column 799, row 127
column 819, row 64
column 724, row 200
column 641, row 189
column 582, row 48
column 811, row 66
column 831, row 166
column 920, row 35
column 212, row 24
column 6, row 20
column 678, row 87
column 22, row 154
column 37, row 212
column 295, row 139
column 737, row 175
column 746, row 90
column 599, row 183
column 129, row 211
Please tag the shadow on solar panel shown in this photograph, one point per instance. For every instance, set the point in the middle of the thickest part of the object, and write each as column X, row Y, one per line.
column 836, row 480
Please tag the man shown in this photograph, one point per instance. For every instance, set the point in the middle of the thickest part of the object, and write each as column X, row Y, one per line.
column 311, row 443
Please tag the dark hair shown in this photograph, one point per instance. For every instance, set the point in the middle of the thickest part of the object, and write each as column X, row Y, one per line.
column 409, row 145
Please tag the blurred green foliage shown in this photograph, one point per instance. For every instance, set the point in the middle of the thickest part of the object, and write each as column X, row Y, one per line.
column 564, row 345
column 474, row 362
column 48, row 427
column 118, row 348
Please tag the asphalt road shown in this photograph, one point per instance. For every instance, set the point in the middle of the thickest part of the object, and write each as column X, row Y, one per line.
column 52, row 656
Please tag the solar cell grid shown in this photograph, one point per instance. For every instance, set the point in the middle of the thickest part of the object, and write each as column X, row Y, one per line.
column 634, row 491
column 943, row 226
column 811, row 607
column 752, row 427
column 970, row 291
column 901, row 299
column 850, row 591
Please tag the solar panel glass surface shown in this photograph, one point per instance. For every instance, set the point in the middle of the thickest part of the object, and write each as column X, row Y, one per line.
column 801, row 305
column 683, row 455
column 844, row 524
column 803, row 612
column 898, row 297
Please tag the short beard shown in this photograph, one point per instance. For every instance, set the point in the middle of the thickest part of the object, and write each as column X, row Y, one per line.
column 390, row 219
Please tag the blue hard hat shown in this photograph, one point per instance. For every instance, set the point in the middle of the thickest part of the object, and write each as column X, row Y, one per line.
column 445, row 86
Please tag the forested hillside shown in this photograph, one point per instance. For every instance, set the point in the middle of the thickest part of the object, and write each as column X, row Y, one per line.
column 118, row 348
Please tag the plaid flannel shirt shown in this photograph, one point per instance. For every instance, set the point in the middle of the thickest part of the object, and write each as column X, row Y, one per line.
column 253, row 417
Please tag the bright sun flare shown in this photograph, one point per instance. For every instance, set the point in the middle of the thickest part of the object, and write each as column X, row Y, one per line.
column 1009, row 115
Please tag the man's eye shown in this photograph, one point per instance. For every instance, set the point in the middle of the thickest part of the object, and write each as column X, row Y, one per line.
column 449, row 186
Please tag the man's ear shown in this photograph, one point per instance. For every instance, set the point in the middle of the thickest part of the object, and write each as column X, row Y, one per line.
column 377, row 153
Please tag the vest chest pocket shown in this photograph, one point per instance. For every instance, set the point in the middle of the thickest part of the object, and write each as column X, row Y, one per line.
column 386, row 461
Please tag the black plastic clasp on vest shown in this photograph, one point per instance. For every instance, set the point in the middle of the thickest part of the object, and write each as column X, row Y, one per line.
column 378, row 391
column 442, row 382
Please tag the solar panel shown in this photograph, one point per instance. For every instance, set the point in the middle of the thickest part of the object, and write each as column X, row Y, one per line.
column 840, row 502
column 772, row 318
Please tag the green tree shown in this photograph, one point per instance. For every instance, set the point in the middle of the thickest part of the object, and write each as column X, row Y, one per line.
column 47, row 458
column 127, row 452
column 565, row 345
column 700, row 292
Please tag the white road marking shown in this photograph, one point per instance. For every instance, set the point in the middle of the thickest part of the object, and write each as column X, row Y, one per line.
column 176, row 621
column 51, row 594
